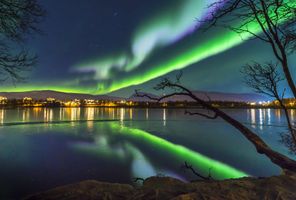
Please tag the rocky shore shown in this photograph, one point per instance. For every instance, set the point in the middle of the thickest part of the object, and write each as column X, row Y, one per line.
column 277, row 187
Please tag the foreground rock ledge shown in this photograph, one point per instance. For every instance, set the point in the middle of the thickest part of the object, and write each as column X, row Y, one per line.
column 162, row 188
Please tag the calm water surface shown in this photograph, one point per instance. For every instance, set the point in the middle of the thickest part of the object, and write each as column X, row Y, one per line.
column 41, row 148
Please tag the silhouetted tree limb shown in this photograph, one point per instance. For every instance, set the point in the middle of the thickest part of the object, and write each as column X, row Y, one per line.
column 18, row 18
column 275, row 20
column 262, row 148
column 189, row 167
column 13, row 66
column 288, row 141
column 215, row 116
column 137, row 179
column 265, row 79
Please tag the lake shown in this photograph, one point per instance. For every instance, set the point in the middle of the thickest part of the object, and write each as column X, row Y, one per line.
column 41, row 148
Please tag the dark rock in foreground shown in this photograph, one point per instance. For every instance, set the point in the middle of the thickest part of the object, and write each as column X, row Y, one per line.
column 162, row 188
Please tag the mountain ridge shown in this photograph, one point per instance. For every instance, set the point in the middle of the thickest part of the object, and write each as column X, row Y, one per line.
column 210, row 96
column 205, row 95
column 44, row 94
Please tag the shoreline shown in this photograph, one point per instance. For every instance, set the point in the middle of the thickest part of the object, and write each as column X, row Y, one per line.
column 274, row 187
column 143, row 107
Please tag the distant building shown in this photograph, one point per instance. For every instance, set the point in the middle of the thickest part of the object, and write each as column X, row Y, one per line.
column 89, row 102
column 50, row 100
column 3, row 100
column 27, row 100
column 110, row 104
column 73, row 103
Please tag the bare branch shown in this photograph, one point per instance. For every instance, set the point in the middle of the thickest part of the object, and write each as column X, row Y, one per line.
column 288, row 141
column 189, row 167
column 215, row 116
column 261, row 147
column 265, row 79
column 275, row 19
column 17, row 20
column 137, row 179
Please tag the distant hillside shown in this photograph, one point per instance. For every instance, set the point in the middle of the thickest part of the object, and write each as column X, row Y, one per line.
column 53, row 94
column 213, row 96
column 136, row 98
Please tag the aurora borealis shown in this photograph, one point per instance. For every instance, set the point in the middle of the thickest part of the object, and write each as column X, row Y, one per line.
column 218, row 121
column 180, row 153
column 114, row 46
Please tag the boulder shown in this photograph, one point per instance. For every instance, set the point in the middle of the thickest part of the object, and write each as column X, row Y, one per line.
column 86, row 190
column 162, row 188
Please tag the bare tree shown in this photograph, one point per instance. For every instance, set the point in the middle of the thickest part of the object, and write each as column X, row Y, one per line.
column 18, row 18
column 262, row 148
column 265, row 79
column 271, row 21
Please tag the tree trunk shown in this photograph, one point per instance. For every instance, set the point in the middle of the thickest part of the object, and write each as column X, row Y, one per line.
column 289, row 78
column 262, row 148
column 292, row 131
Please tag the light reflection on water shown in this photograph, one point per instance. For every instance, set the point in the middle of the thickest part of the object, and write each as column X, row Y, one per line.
column 268, row 116
column 147, row 113
column 164, row 118
column 257, row 118
column 144, row 139
column 2, row 111
column 72, row 114
column 262, row 117
column 253, row 118
column 90, row 116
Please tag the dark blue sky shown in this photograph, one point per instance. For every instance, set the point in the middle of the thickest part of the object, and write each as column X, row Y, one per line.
column 101, row 46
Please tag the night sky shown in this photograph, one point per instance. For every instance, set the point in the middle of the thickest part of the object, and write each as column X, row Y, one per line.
column 103, row 46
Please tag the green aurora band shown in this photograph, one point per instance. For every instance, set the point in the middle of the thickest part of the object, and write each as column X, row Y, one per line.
column 69, row 87
column 196, row 53
column 163, row 29
column 148, row 38
column 193, row 55
column 138, row 139
column 219, row 170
